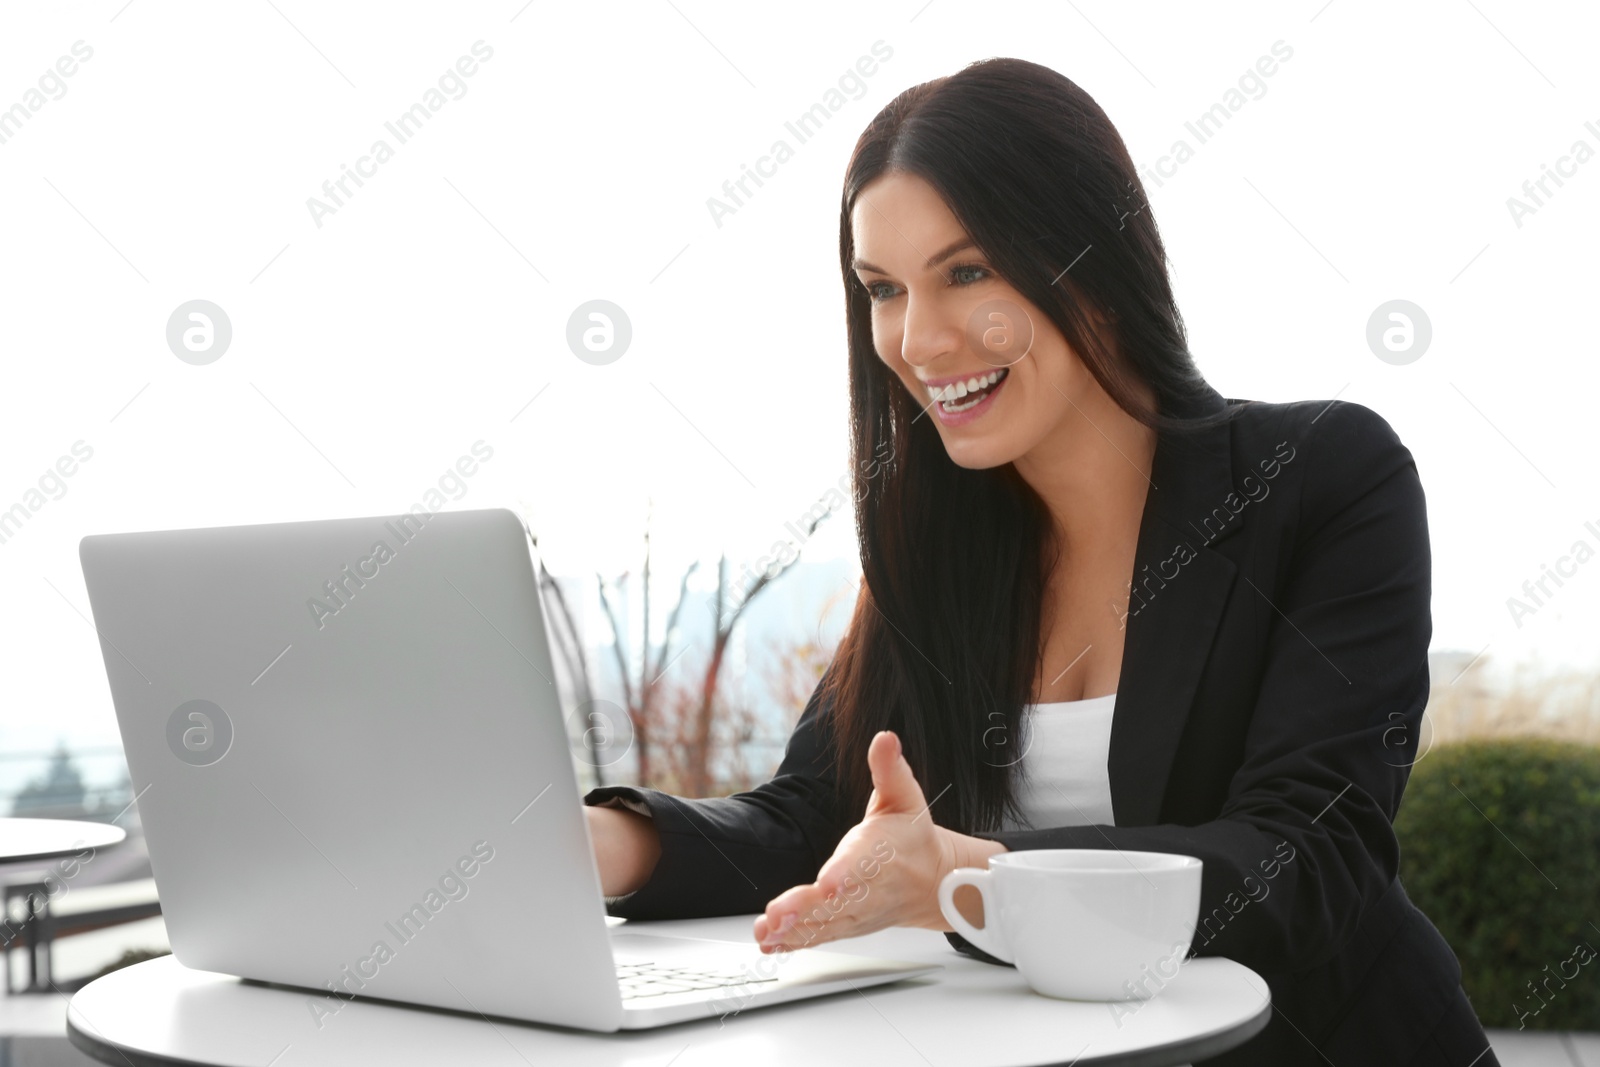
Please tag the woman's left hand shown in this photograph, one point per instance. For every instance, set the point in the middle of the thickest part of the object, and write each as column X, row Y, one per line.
column 886, row 870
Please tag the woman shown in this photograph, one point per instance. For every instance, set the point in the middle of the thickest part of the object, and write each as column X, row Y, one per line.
column 1103, row 607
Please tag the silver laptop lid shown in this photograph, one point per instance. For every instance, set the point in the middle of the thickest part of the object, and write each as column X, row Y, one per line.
column 351, row 762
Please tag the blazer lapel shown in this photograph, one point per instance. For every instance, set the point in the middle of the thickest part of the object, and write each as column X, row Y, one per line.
column 1180, row 585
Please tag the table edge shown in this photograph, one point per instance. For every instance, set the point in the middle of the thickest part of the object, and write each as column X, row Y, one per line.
column 1202, row 1047
column 20, row 858
column 1195, row 1048
column 105, row 1051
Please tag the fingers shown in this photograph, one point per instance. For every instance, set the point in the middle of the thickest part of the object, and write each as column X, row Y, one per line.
column 766, row 932
column 808, row 918
column 784, row 911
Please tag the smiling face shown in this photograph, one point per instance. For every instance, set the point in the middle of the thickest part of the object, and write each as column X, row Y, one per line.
column 992, row 371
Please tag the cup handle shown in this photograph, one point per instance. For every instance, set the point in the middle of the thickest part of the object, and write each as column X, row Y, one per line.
column 988, row 938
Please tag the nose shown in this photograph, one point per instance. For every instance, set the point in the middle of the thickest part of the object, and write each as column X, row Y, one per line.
column 929, row 331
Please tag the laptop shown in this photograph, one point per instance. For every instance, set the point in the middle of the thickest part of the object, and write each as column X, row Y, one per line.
column 355, row 776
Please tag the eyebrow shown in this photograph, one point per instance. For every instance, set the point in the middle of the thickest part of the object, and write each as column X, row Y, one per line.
column 958, row 245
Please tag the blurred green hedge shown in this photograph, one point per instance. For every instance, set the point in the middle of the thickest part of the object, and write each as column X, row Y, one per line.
column 1500, row 847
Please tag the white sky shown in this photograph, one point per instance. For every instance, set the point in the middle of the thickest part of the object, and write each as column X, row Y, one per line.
column 428, row 311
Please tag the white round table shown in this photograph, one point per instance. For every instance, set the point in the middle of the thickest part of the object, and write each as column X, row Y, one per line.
column 971, row 1014
column 26, row 845
column 30, row 840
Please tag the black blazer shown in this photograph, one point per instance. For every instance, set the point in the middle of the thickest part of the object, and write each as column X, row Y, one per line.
column 1273, row 681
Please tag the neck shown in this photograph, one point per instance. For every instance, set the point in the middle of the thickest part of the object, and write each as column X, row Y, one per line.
column 1093, row 470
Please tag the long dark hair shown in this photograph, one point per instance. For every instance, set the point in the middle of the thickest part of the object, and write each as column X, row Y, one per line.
column 945, row 640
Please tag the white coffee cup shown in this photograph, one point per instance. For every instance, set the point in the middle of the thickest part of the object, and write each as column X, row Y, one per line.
column 1083, row 924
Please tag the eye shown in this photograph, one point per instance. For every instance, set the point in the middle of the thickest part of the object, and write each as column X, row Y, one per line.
column 966, row 270
column 875, row 291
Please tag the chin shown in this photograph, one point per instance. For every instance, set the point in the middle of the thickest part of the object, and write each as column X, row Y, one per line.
column 978, row 455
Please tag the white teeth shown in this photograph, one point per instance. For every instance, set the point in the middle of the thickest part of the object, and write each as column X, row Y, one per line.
column 974, row 402
column 950, row 394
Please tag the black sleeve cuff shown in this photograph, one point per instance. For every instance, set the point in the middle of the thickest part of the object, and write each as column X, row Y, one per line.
column 967, row 948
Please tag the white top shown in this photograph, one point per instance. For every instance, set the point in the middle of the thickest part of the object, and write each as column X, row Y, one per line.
column 1064, row 781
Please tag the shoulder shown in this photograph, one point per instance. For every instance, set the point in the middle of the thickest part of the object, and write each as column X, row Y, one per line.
column 1339, row 452
column 1339, row 422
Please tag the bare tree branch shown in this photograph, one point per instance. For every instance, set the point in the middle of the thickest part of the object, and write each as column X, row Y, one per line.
column 700, row 757
column 618, row 640
column 672, row 622
column 644, row 640
column 766, row 579
column 569, row 643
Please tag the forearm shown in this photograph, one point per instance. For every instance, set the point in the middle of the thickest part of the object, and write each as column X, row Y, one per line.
column 626, row 847
column 729, row 855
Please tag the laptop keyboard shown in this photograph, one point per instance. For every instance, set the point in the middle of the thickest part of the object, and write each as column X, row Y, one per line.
column 655, row 979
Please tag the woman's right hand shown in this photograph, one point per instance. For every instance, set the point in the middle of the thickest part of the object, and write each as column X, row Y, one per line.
column 626, row 847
